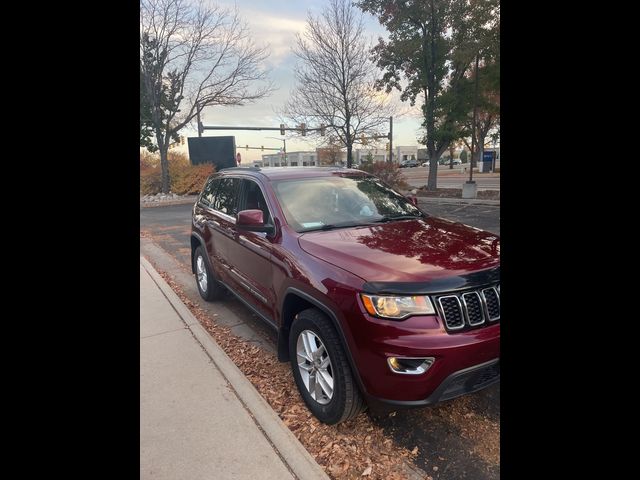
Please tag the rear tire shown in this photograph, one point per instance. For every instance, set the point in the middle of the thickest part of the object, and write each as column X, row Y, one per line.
column 208, row 286
column 321, row 369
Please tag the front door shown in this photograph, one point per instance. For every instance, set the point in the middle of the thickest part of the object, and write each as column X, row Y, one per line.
column 250, row 255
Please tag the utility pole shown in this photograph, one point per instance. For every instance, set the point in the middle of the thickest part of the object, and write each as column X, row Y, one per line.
column 390, row 139
column 199, row 122
column 475, row 117
column 284, row 148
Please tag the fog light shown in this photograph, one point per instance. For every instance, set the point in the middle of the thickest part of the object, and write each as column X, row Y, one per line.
column 410, row 365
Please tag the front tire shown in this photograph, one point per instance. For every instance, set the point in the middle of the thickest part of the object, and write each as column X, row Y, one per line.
column 321, row 370
column 208, row 285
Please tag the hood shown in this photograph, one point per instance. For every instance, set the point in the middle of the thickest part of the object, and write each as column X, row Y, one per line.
column 418, row 250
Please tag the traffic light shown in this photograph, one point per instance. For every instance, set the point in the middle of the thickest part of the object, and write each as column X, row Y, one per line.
column 181, row 140
column 246, row 147
column 388, row 147
column 282, row 129
column 322, row 129
column 363, row 139
column 303, row 127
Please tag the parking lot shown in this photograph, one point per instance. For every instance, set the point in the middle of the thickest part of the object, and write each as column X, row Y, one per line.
column 457, row 439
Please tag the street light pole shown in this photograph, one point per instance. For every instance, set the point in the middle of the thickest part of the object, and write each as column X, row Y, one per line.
column 475, row 116
column 284, row 148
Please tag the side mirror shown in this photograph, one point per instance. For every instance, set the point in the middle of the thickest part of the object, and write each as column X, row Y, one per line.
column 253, row 221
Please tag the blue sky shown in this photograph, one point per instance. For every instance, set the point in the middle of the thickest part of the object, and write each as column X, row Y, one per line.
column 276, row 22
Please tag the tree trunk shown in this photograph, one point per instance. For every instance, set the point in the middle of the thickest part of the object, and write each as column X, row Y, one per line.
column 164, row 165
column 476, row 157
column 430, row 98
column 349, row 154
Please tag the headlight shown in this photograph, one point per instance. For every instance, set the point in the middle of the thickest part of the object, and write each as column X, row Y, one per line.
column 397, row 308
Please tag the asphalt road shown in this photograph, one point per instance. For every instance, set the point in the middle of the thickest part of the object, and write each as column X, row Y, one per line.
column 451, row 436
column 447, row 178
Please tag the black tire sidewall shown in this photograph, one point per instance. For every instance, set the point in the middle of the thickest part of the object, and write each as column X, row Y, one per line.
column 332, row 412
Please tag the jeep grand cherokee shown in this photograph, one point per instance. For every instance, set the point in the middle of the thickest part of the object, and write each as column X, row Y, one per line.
column 374, row 301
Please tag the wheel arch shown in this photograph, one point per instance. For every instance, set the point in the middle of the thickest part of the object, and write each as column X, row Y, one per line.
column 196, row 241
column 294, row 302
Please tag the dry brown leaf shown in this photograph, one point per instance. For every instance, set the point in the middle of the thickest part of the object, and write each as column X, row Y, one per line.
column 367, row 471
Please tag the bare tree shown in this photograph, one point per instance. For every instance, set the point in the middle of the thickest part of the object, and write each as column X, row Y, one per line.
column 335, row 78
column 331, row 154
column 193, row 56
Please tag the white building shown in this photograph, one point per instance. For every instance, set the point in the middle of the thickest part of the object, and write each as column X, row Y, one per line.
column 377, row 155
column 400, row 154
column 403, row 153
column 294, row 159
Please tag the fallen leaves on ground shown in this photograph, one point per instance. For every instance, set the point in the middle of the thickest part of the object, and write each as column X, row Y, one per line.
column 349, row 450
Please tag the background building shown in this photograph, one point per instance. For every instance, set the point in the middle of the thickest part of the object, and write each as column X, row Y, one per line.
column 294, row 159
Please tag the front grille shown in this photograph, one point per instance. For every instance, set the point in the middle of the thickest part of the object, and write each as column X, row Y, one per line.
column 475, row 313
column 470, row 381
column 492, row 300
column 452, row 310
column 486, row 375
column 470, row 309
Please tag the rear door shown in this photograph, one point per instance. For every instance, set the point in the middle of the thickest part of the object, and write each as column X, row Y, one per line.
column 220, row 224
column 250, row 254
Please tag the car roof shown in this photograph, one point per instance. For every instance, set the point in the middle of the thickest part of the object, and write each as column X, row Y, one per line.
column 281, row 173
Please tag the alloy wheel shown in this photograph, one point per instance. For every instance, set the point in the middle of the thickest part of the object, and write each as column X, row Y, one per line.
column 201, row 272
column 315, row 366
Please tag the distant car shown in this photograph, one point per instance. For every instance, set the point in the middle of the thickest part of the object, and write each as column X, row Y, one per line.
column 408, row 163
column 446, row 161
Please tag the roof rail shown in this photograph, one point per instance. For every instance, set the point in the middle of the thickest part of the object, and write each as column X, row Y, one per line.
column 251, row 168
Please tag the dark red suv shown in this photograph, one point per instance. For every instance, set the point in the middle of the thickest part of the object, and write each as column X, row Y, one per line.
column 374, row 301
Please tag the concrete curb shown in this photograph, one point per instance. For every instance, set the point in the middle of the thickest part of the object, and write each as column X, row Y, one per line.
column 299, row 461
column 181, row 201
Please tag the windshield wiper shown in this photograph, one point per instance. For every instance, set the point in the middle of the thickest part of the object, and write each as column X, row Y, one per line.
column 331, row 226
column 391, row 218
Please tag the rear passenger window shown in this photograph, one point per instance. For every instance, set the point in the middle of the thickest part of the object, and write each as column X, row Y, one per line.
column 208, row 191
column 225, row 197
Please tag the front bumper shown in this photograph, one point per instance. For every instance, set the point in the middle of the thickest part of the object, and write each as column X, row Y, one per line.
column 467, row 380
column 419, row 337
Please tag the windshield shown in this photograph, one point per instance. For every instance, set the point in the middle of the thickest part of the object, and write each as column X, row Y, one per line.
column 332, row 202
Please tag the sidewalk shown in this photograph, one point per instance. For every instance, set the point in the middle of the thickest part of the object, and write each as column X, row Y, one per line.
column 200, row 418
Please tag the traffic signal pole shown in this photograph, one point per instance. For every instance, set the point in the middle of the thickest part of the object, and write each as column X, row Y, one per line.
column 390, row 139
